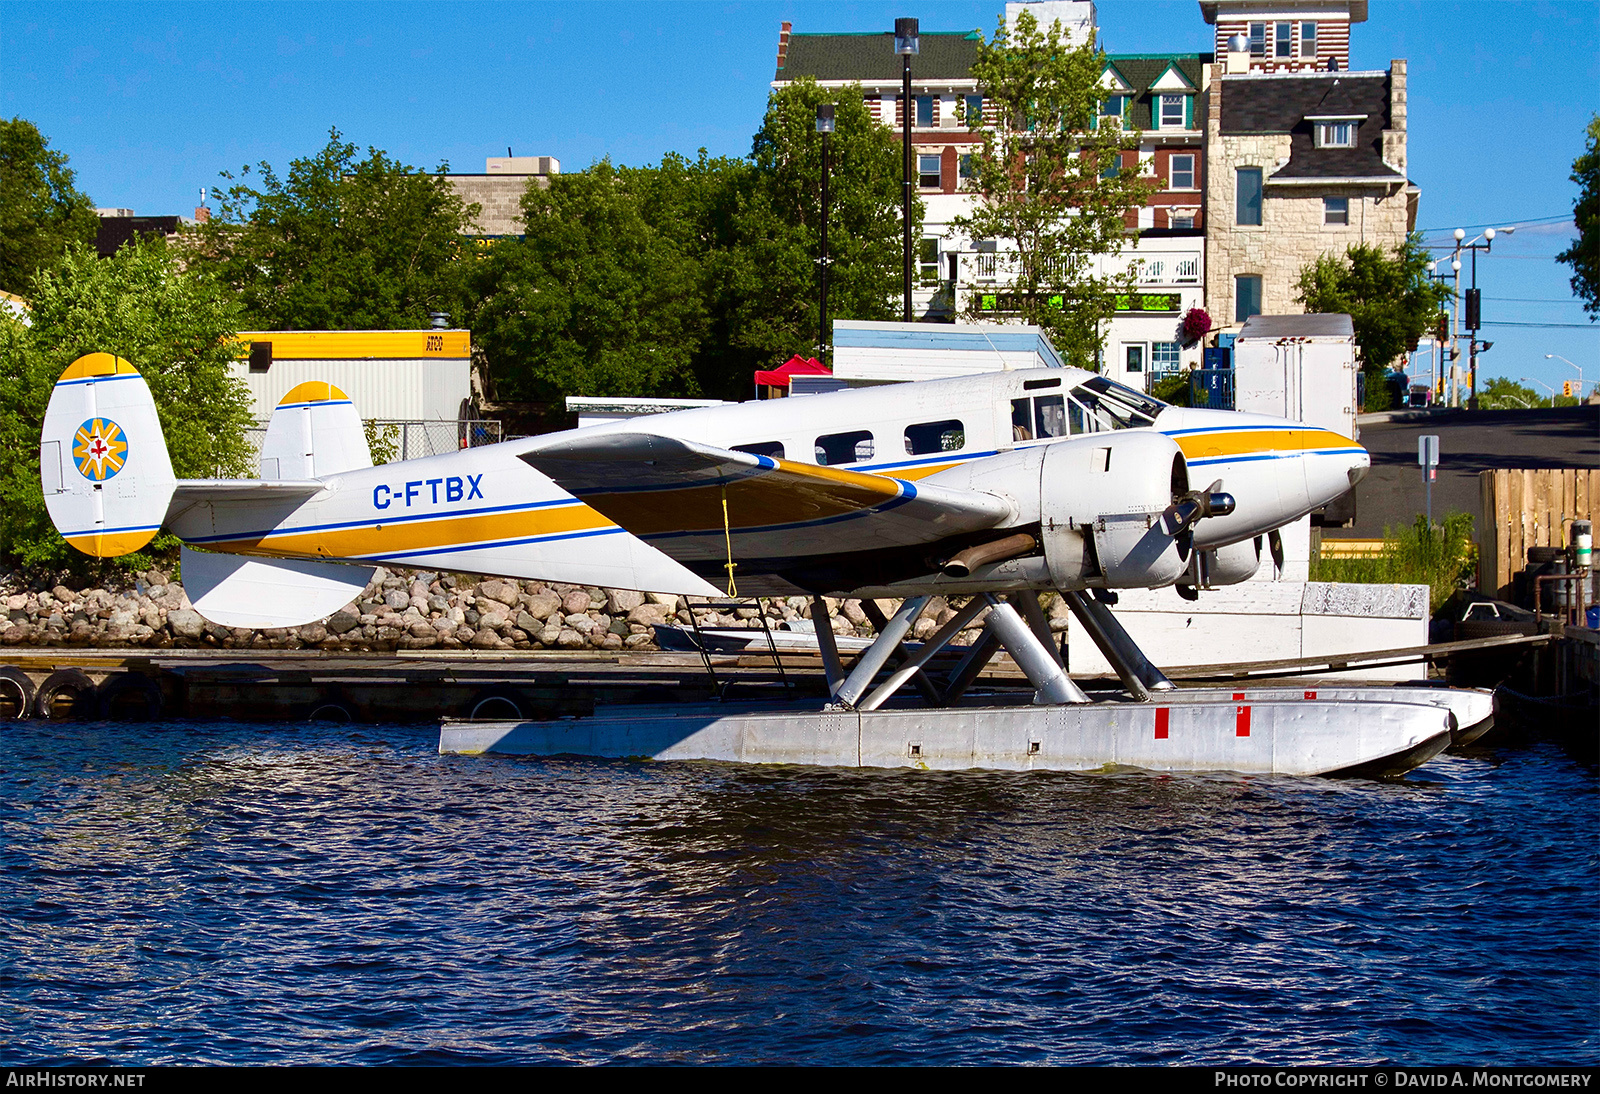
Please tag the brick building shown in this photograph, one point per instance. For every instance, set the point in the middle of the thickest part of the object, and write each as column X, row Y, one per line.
column 1307, row 36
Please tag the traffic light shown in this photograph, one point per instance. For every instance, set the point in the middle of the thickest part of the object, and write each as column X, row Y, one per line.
column 1566, row 388
column 1474, row 296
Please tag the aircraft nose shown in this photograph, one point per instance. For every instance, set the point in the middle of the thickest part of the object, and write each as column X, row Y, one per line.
column 1360, row 464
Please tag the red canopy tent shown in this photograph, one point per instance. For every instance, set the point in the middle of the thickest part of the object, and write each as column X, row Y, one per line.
column 794, row 366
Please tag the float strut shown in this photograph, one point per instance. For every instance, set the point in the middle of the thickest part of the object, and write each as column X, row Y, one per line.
column 1138, row 675
column 930, row 649
column 976, row 660
column 1027, row 602
column 1032, row 656
column 874, row 656
column 930, row 694
column 831, row 665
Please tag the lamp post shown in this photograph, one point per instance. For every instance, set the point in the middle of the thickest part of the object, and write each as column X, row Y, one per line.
column 1558, row 357
column 825, row 121
column 1541, row 383
column 1473, row 314
column 905, row 44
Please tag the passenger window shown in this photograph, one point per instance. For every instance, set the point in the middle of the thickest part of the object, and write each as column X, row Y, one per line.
column 1078, row 418
column 1050, row 416
column 1021, row 420
column 946, row 436
column 838, row 448
column 762, row 448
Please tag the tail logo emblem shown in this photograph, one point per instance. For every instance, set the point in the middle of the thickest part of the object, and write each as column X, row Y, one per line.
column 99, row 449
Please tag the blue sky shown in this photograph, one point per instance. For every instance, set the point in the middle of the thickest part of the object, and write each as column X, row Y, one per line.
column 151, row 101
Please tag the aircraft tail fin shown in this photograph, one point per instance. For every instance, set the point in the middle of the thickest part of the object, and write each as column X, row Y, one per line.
column 103, row 461
column 314, row 432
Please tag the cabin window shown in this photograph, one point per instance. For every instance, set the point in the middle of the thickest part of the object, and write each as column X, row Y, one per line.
column 852, row 447
column 946, row 436
column 762, row 448
column 1021, row 419
column 1050, row 416
column 1113, row 406
column 1078, row 418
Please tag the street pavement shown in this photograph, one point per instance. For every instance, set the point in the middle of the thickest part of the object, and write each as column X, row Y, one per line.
column 1393, row 493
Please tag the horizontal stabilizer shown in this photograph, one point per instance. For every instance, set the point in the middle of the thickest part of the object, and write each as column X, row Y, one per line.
column 693, row 500
column 236, row 591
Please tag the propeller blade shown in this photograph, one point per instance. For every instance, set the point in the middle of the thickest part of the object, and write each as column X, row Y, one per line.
column 1275, row 545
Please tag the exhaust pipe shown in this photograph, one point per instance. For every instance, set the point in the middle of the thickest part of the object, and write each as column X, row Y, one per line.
column 964, row 562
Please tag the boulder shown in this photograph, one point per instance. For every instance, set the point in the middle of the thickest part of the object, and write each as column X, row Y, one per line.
column 187, row 623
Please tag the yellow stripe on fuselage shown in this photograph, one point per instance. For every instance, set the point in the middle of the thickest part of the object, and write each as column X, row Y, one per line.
column 1258, row 442
column 418, row 537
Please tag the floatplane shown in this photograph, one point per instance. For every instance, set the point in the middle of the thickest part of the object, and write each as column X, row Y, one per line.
column 991, row 487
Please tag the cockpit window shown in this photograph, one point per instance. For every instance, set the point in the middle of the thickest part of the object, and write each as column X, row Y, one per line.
column 762, row 448
column 1113, row 406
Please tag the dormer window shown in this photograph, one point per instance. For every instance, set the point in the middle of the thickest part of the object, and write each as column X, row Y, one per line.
column 1173, row 112
column 1112, row 109
column 1336, row 134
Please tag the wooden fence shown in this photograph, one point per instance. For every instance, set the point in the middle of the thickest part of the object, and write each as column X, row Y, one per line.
column 1523, row 509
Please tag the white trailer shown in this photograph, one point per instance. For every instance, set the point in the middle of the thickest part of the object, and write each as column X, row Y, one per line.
column 1301, row 367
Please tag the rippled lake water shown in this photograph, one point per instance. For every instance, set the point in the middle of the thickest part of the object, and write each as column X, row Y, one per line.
column 271, row 894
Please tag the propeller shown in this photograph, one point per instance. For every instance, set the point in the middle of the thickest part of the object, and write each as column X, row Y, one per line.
column 1275, row 545
column 1187, row 508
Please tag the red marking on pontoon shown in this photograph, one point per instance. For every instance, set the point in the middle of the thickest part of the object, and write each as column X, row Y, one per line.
column 1162, row 714
column 1241, row 719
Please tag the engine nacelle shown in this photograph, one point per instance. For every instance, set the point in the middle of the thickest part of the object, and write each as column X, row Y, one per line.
column 1224, row 566
column 1101, row 500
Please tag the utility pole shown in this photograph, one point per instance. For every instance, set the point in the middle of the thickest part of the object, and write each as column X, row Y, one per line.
column 906, row 45
column 825, row 123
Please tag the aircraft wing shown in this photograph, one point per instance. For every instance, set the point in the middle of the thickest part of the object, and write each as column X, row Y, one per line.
column 676, row 495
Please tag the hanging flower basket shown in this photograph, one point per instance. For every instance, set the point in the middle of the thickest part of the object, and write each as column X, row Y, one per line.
column 1195, row 325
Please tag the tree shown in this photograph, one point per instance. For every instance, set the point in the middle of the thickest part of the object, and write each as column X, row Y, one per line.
column 40, row 210
column 1584, row 254
column 175, row 325
column 341, row 243
column 1054, row 181
column 1500, row 393
column 1391, row 299
column 595, row 298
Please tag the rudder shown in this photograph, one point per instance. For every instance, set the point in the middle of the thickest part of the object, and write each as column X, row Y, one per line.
column 103, row 463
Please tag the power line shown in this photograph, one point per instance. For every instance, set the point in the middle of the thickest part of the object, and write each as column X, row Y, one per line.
column 1532, row 300
column 1574, row 326
column 1501, row 223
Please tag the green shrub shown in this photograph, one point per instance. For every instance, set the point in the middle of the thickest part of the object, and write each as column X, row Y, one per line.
column 1444, row 558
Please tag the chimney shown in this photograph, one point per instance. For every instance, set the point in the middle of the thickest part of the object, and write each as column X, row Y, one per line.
column 1238, row 59
column 201, row 214
column 783, row 44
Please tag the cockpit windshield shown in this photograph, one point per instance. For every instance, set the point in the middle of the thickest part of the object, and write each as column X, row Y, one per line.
column 1113, row 406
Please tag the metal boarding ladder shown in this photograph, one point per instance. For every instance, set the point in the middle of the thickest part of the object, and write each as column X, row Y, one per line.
column 703, row 645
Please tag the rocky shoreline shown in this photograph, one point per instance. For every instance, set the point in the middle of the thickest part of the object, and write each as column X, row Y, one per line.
column 405, row 610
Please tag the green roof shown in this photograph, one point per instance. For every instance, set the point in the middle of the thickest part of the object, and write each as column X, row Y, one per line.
column 945, row 55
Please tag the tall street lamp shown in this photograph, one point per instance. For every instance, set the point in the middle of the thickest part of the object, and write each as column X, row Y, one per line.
column 1558, row 357
column 1541, row 383
column 825, row 120
column 1474, row 311
column 905, row 44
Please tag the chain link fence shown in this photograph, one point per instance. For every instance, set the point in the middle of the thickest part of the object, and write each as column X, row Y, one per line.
column 393, row 440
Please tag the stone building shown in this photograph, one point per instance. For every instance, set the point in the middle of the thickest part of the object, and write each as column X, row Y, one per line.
column 500, row 188
column 1299, row 165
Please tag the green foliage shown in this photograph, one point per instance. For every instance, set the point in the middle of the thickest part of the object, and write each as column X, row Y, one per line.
column 684, row 278
column 1172, row 388
column 175, row 325
column 596, row 298
column 383, row 440
column 1584, row 254
column 341, row 243
column 1391, row 299
column 1500, row 393
column 40, row 210
column 1443, row 557
column 1044, row 180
